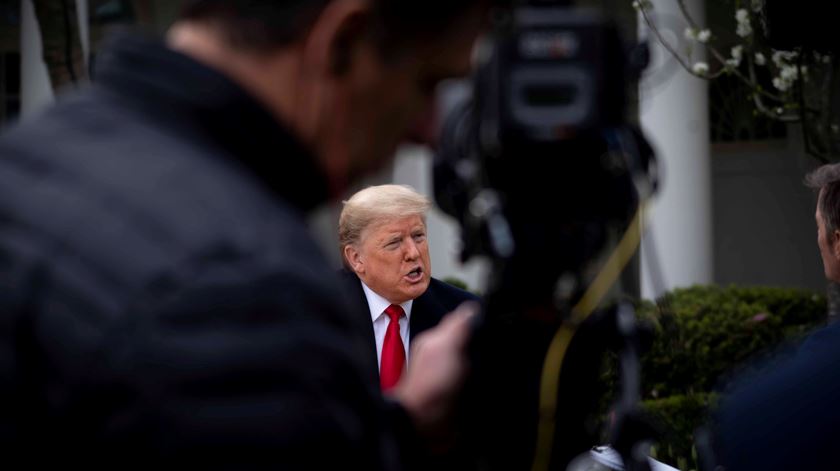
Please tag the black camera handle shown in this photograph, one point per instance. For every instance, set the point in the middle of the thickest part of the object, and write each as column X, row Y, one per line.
column 632, row 433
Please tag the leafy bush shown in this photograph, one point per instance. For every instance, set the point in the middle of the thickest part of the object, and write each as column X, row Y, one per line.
column 678, row 417
column 703, row 334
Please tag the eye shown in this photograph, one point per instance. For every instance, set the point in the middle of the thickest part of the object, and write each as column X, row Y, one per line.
column 419, row 237
column 392, row 244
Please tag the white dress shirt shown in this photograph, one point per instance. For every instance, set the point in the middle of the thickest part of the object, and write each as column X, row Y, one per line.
column 377, row 305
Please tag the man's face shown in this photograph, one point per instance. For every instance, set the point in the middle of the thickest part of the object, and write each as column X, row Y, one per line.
column 380, row 100
column 828, row 244
column 392, row 258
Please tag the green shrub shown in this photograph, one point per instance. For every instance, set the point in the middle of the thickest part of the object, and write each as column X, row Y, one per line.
column 703, row 332
column 702, row 335
column 678, row 417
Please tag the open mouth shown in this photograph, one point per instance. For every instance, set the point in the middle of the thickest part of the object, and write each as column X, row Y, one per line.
column 415, row 274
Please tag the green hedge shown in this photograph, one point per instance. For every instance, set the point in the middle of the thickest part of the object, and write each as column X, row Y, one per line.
column 677, row 417
column 703, row 334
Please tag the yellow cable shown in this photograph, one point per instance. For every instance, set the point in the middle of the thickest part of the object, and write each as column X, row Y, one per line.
column 549, row 382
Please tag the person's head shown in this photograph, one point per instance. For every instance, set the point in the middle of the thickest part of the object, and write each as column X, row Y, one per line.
column 826, row 180
column 382, row 236
column 349, row 77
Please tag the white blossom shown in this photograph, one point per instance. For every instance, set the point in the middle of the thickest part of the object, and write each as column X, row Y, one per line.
column 759, row 59
column 788, row 73
column 737, row 55
column 780, row 110
column 704, row 35
column 637, row 5
column 744, row 28
column 700, row 68
column 690, row 34
column 781, row 58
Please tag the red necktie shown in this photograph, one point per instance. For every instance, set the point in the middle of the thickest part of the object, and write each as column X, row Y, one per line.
column 393, row 352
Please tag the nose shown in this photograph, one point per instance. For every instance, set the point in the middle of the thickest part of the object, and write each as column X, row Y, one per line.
column 411, row 250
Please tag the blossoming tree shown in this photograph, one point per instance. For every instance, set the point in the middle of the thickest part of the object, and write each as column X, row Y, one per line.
column 783, row 85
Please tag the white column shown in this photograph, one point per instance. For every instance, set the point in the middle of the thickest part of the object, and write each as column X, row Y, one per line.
column 84, row 28
column 674, row 115
column 413, row 167
column 35, row 88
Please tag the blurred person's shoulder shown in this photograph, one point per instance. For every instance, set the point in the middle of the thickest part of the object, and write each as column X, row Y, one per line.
column 145, row 177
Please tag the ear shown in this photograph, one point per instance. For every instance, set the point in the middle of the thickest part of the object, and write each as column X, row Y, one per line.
column 340, row 28
column 835, row 244
column 354, row 259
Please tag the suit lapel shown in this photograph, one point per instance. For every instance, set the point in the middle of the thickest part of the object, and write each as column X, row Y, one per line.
column 426, row 312
column 359, row 301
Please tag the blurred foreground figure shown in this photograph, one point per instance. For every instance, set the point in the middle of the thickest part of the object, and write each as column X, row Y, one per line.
column 160, row 298
column 788, row 417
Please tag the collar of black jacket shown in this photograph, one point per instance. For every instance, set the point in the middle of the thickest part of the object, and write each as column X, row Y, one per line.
column 180, row 92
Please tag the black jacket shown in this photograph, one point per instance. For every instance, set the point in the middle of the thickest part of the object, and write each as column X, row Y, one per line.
column 426, row 312
column 160, row 297
column 428, row 309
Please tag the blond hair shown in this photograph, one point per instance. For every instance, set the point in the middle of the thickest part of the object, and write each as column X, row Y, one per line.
column 376, row 205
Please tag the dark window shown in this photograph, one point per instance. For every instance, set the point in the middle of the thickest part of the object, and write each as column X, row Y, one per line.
column 11, row 74
column 733, row 117
column 9, row 86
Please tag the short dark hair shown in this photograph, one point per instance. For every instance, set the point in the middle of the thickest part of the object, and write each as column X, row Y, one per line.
column 267, row 24
column 826, row 180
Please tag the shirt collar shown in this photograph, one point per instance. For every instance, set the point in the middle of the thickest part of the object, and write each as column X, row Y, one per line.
column 377, row 304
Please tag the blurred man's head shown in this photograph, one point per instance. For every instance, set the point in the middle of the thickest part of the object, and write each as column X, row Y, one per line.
column 382, row 235
column 826, row 180
column 349, row 77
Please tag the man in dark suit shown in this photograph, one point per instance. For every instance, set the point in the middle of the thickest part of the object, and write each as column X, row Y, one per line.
column 382, row 232
column 786, row 417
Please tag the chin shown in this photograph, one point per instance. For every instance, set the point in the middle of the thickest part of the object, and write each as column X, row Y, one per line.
column 416, row 291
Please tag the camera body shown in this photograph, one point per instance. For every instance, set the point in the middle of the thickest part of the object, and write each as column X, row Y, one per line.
column 534, row 158
column 538, row 166
column 554, row 74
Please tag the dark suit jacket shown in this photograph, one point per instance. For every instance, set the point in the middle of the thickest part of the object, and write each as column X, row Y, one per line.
column 428, row 309
column 785, row 417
